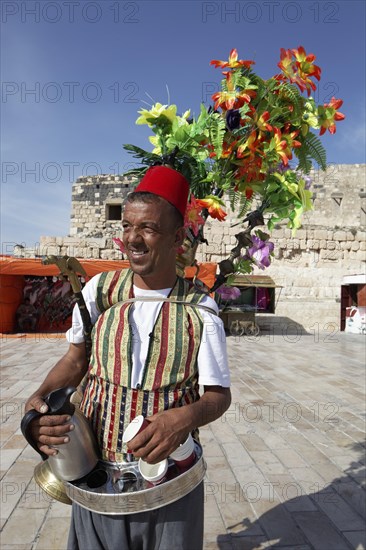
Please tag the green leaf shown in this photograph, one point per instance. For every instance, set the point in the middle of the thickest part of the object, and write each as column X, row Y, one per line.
column 144, row 156
column 315, row 149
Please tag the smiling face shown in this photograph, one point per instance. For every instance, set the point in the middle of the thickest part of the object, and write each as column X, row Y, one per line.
column 151, row 239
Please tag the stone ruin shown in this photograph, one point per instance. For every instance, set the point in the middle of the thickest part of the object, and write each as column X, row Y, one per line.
column 309, row 267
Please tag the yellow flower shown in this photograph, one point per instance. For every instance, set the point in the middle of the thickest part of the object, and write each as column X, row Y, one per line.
column 156, row 111
column 155, row 141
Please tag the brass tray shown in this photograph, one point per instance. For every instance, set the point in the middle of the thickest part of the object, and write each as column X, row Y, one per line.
column 122, row 490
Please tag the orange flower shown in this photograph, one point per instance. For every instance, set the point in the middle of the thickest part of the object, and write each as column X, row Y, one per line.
column 329, row 114
column 228, row 149
column 192, row 219
column 233, row 62
column 262, row 123
column 298, row 67
column 213, row 205
column 284, row 143
column 231, row 98
column 249, row 171
column 251, row 148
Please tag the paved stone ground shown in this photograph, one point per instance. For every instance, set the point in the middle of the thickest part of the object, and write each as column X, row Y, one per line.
column 286, row 463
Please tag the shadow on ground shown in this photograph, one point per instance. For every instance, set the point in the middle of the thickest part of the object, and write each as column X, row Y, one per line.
column 331, row 518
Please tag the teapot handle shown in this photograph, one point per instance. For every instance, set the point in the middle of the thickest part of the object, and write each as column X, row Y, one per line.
column 25, row 426
column 58, row 402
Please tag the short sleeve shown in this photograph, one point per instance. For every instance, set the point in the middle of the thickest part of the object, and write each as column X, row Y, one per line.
column 75, row 334
column 213, row 368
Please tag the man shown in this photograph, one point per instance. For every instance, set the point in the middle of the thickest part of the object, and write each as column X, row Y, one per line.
column 148, row 357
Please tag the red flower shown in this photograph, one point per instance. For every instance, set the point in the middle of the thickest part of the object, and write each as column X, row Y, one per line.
column 213, row 205
column 329, row 114
column 232, row 98
column 298, row 67
column 233, row 62
column 192, row 219
column 251, row 148
column 283, row 143
column 262, row 122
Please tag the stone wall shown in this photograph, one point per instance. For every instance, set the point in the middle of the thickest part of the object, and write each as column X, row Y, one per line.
column 92, row 196
column 310, row 266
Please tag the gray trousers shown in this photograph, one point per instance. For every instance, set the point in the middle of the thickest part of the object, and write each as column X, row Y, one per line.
column 178, row 525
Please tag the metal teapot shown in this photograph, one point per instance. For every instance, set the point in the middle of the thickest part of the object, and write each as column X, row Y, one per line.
column 79, row 456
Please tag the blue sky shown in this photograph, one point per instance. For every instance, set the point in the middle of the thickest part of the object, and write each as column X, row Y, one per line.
column 75, row 73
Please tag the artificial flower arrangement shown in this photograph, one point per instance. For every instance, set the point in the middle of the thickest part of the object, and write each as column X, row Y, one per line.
column 242, row 147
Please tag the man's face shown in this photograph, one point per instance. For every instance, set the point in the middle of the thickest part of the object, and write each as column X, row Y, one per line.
column 151, row 241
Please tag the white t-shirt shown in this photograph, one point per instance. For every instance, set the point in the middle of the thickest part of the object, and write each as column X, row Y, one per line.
column 212, row 361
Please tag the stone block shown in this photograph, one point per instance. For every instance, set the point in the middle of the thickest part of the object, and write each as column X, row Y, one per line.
column 49, row 250
column 346, row 245
column 212, row 249
column 320, row 234
column 322, row 243
column 99, row 242
column 278, row 234
column 282, row 243
column 304, row 244
column 355, row 246
column 301, row 234
column 44, row 239
column 72, row 241
column 313, row 244
column 340, row 235
column 363, row 245
column 330, row 255
column 332, row 245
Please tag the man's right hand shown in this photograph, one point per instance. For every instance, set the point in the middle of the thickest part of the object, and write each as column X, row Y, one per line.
column 46, row 430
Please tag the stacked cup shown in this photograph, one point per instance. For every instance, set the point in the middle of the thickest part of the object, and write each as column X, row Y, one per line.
column 153, row 473
column 138, row 424
column 184, row 456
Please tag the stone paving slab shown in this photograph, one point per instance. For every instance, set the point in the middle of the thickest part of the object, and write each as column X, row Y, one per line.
column 286, row 463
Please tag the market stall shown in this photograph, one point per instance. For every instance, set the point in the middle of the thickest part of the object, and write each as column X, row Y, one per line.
column 34, row 299
column 257, row 295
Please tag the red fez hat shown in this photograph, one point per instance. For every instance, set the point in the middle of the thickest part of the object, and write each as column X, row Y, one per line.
column 167, row 183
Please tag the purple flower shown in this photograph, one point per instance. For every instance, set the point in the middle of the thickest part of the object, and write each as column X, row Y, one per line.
column 308, row 181
column 228, row 292
column 260, row 252
column 281, row 168
column 233, row 119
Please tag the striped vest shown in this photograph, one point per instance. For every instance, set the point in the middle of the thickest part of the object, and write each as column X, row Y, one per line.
column 170, row 377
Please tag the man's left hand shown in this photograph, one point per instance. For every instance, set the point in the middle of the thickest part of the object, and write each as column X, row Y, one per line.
column 168, row 429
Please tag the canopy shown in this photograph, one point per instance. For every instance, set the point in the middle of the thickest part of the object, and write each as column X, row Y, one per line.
column 262, row 281
column 33, row 266
column 14, row 270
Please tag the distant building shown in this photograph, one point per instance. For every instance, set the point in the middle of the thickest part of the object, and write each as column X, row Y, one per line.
column 309, row 266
